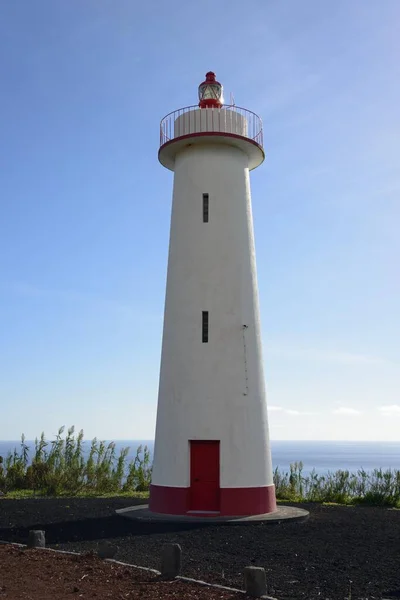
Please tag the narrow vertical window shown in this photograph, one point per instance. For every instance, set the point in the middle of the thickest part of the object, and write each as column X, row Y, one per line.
column 205, row 208
column 205, row 326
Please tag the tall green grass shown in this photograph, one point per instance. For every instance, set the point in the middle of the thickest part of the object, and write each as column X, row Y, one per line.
column 61, row 467
column 377, row 487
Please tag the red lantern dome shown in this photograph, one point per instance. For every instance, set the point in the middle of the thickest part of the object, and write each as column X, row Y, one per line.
column 210, row 92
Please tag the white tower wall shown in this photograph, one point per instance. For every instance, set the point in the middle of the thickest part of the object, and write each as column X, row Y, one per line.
column 212, row 390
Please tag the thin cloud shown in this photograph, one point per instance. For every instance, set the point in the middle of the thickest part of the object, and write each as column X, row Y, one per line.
column 292, row 352
column 356, row 359
column 34, row 292
column 388, row 189
column 296, row 413
column 346, row 410
column 390, row 410
column 289, row 411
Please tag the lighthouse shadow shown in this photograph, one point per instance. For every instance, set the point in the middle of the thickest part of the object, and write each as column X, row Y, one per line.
column 92, row 529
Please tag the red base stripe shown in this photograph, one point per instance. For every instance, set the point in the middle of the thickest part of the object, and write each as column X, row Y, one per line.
column 233, row 501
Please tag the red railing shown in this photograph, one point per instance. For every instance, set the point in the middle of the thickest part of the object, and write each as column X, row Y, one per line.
column 216, row 120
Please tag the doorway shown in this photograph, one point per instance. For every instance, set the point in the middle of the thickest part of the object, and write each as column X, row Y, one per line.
column 204, row 476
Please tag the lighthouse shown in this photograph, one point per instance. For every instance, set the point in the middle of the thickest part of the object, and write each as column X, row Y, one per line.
column 212, row 452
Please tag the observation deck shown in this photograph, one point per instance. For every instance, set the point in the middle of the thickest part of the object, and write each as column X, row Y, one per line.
column 229, row 125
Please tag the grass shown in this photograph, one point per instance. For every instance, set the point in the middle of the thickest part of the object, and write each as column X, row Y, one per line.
column 62, row 468
column 374, row 488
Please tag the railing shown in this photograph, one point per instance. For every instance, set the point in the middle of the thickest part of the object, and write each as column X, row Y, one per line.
column 231, row 120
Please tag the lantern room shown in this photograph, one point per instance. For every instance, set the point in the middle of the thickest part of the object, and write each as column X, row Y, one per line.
column 210, row 92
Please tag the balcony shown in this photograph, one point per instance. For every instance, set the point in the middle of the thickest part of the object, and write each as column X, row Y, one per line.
column 230, row 125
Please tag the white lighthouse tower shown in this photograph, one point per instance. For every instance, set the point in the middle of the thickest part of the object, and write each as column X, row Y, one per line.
column 212, row 453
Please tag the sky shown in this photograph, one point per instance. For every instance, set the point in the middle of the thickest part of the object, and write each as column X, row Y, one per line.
column 85, row 206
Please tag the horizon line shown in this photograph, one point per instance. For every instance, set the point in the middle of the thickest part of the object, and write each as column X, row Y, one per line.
column 18, row 441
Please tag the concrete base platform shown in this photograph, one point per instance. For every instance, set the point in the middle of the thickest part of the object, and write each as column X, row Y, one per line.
column 283, row 513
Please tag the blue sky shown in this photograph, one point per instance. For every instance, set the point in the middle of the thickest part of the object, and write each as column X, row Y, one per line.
column 85, row 206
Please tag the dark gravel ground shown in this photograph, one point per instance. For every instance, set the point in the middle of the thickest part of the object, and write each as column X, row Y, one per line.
column 340, row 553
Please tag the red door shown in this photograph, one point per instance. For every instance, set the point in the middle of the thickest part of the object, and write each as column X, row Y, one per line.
column 204, row 476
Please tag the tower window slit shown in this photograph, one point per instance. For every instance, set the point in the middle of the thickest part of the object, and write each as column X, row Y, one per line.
column 205, row 208
column 205, row 326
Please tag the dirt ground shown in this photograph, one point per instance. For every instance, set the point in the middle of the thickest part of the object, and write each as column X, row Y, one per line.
column 340, row 553
column 38, row 574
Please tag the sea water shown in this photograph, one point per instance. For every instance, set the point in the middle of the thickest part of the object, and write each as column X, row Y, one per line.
column 319, row 455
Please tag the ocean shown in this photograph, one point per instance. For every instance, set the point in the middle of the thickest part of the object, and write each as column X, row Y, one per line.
column 321, row 456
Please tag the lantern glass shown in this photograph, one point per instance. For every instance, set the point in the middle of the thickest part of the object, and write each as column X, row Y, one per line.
column 210, row 91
